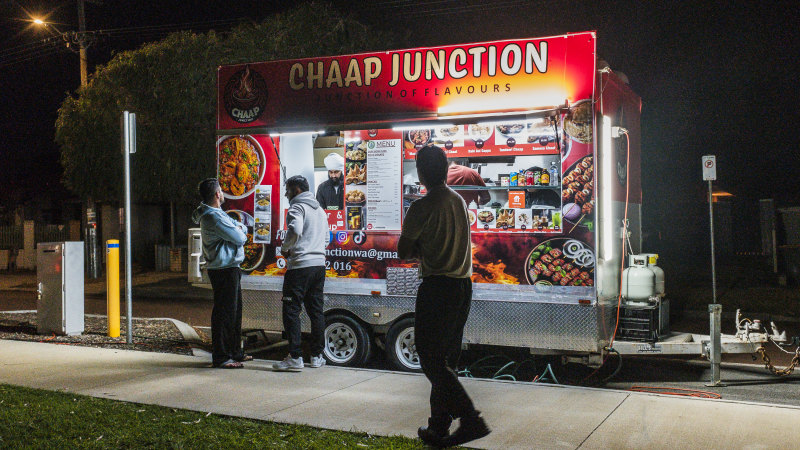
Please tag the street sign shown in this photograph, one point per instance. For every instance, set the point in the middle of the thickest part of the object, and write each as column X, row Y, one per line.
column 709, row 167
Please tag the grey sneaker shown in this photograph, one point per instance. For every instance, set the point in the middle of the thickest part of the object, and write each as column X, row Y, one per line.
column 316, row 361
column 289, row 364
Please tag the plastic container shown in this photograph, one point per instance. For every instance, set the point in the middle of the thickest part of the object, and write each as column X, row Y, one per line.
column 638, row 281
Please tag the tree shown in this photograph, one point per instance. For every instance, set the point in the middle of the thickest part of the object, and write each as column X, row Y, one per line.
column 171, row 86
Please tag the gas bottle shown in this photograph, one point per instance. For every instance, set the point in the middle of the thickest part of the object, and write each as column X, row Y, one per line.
column 638, row 281
column 652, row 259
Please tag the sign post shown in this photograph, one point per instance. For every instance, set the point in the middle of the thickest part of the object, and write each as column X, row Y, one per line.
column 714, row 309
column 128, row 147
column 710, row 174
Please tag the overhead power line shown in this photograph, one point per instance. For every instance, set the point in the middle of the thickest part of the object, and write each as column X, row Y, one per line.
column 51, row 45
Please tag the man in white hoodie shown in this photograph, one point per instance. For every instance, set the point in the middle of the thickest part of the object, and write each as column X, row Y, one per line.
column 307, row 235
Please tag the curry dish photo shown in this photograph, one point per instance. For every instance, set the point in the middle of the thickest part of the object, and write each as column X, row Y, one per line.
column 239, row 166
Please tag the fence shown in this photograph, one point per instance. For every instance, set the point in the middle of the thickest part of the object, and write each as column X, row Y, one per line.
column 50, row 233
column 11, row 237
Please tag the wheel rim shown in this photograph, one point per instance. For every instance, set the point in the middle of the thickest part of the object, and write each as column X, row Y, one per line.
column 340, row 343
column 406, row 349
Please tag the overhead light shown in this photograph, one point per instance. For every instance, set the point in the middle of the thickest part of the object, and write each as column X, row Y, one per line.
column 295, row 133
column 422, row 125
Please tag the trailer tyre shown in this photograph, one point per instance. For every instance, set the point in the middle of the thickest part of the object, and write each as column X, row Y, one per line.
column 401, row 350
column 347, row 343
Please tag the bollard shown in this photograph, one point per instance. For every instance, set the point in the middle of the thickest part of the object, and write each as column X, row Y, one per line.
column 112, row 286
column 715, row 343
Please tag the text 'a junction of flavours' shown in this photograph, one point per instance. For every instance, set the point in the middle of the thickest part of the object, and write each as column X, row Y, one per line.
column 438, row 64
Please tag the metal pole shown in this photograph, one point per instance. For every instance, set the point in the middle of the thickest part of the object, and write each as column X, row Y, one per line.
column 128, row 147
column 82, row 45
column 715, row 350
column 713, row 262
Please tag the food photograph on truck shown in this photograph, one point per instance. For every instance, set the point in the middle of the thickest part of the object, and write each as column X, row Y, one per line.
column 527, row 118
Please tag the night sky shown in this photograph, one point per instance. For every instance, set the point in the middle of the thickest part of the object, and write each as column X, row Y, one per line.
column 714, row 77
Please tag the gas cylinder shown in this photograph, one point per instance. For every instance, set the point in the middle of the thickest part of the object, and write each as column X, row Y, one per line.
column 638, row 281
column 652, row 260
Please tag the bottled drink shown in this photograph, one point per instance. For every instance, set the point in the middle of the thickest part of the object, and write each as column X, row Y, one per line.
column 553, row 174
column 544, row 179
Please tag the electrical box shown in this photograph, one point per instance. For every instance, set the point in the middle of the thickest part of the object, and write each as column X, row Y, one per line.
column 59, row 276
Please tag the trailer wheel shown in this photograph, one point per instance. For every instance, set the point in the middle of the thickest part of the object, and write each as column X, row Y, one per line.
column 347, row 343
column 401, row 350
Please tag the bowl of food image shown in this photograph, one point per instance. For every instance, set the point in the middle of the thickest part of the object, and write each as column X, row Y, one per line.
column 578, row 122
column 253, row 253
column 478, row 131
column 240, row 165
column 419, row 137
column 262, row 202
column 355, row 197
column 356, row 151
column 510, row 130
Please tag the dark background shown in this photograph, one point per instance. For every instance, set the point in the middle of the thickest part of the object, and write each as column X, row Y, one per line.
column 714, row 77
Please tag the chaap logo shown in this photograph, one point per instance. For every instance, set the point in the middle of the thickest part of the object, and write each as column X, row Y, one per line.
column 342, row 237
column 245, row 95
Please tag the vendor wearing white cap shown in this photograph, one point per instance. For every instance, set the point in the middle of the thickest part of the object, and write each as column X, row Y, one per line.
column 330, row 194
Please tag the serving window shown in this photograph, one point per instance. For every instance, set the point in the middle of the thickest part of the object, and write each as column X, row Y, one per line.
column 508, row 173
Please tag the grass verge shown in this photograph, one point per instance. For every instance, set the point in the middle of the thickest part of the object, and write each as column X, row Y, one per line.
column 33, row 418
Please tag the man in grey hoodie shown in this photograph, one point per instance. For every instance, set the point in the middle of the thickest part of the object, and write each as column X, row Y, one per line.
column 307, row 235
column 223, row 249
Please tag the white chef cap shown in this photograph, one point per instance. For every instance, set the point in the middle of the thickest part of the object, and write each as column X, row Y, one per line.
column 334, row 161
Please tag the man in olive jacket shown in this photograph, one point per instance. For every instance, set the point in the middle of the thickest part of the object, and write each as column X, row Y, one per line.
column 436, row 231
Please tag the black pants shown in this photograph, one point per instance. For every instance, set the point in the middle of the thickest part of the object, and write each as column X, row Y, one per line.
column 226, row 317
column 304, row 287
column 442, row 309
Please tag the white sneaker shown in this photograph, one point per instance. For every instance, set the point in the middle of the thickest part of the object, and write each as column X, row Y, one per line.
column 316, row 361
column 289, row 364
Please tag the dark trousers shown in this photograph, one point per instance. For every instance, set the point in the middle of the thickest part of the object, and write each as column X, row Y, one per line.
column 226, row 317
column 304, row 287
column 442, row 309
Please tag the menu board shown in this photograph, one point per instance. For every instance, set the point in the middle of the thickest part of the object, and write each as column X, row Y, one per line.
column 373, row 180
column 534, row 137
column 262, row 214
column 384, row 184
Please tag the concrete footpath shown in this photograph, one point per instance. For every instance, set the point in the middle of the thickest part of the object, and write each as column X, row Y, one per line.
column 522, row 415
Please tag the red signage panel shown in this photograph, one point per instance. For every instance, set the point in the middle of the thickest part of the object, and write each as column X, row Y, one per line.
column 521, row 74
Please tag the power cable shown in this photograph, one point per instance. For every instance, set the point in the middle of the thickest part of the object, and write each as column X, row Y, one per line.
column 466, row 8
column 31, row 56
column 675, row 391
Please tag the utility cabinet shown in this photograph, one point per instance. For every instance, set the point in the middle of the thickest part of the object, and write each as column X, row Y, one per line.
column 59, row 277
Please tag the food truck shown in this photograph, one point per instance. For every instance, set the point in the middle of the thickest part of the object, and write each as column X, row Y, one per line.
column 553, row 134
